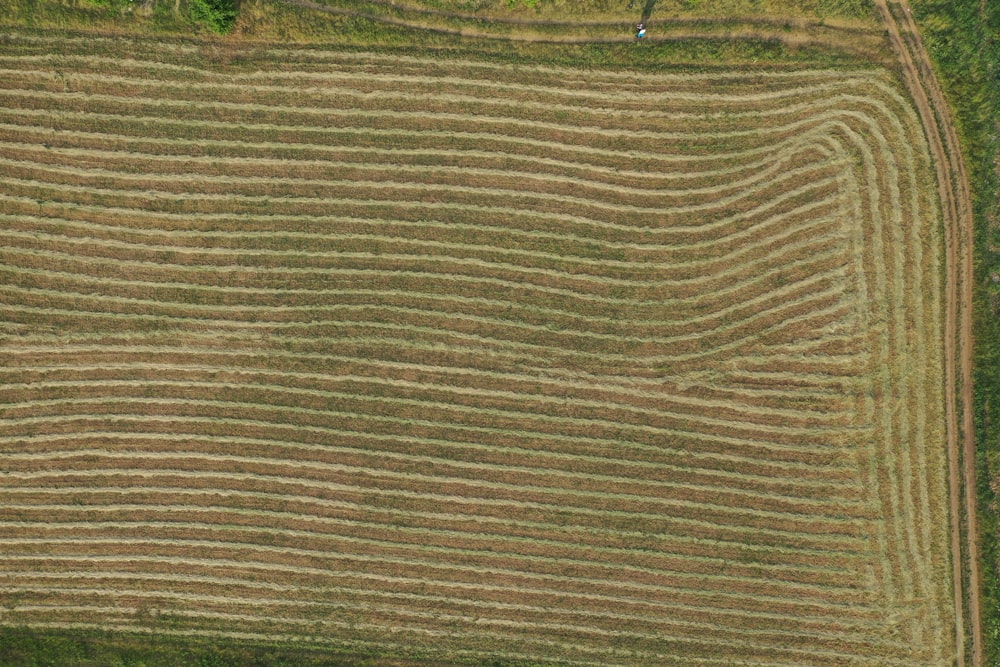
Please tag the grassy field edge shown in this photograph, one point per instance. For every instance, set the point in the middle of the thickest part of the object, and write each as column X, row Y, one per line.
column 24, row 647
column 967, row 58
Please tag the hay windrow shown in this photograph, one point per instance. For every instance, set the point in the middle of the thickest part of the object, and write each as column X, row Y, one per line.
column 535, row 363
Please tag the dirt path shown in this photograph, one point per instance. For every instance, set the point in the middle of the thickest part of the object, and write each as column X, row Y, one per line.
column 858, row 40
column 617, row 23
column 953, row 188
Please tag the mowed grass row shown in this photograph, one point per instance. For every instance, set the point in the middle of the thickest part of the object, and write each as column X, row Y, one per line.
column 203, row 63
column 912, row 474
column 542, row 363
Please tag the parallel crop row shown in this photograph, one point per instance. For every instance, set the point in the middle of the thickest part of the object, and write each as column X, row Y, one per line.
column 599, row 367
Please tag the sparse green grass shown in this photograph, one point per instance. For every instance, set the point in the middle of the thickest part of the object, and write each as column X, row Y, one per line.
column 661, row 9
column 27, row 647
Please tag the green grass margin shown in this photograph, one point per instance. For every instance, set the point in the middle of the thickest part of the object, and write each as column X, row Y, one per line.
column 963, row 39
column 33, row 647
column 262, row 23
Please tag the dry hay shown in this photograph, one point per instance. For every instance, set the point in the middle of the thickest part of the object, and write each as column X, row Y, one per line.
column 449, row 357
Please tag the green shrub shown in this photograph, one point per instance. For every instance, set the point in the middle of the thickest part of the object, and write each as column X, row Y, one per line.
column 219, row 15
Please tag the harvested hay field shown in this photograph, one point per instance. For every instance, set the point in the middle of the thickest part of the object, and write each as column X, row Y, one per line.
column 439, row 357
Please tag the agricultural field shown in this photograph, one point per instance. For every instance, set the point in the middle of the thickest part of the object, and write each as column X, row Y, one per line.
column 448, row 359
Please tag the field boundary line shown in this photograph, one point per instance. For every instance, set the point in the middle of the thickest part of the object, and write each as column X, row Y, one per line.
column 785, row 38
column 458, row 602
column 956, row 202
column 851, row 83
column 317, row 56
column 404, row 612
column 339, row 642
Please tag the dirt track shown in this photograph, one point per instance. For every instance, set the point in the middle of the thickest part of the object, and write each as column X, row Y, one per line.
column 956, row 204
column 806, row 34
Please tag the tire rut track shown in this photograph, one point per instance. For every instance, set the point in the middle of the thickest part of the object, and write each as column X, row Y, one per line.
column 956, row 202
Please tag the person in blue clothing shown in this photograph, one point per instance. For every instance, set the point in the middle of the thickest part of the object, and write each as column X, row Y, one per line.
column 640, row 31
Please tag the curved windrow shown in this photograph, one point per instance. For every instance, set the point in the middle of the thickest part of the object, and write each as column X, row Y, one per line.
column 470, row 360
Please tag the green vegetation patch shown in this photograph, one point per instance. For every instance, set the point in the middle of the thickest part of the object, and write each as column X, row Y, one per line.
column 27, row 647
column 962, row 38
column 218, row 15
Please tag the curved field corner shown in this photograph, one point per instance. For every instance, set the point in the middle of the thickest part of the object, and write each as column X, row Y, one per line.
column 440, row 357
column 956, row 200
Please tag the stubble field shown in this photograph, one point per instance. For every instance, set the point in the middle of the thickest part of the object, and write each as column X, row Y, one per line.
column 440, row 356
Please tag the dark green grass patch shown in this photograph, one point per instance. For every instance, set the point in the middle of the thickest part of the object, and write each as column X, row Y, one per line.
column 26, row 647
column 218, row 15
column 280, row 21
